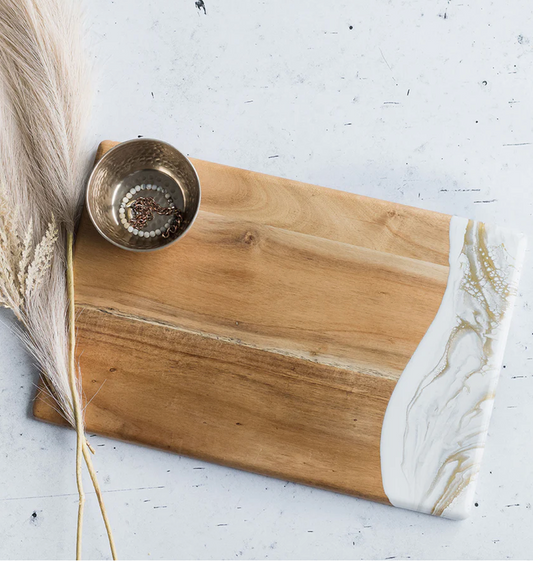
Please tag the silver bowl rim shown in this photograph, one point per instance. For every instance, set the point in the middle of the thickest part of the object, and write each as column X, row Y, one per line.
column 90, row 180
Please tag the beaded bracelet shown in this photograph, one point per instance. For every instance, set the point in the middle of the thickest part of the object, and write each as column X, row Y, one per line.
column 134, row 213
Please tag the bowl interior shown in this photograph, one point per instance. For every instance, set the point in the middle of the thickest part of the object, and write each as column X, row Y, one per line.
column 142, row 168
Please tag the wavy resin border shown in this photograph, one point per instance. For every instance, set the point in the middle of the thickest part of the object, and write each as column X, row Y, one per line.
column 436, row 422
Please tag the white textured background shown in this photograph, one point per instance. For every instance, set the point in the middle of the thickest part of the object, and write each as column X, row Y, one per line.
column 424, row 103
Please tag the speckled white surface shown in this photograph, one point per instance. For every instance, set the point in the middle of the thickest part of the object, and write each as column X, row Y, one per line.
column 422, row 103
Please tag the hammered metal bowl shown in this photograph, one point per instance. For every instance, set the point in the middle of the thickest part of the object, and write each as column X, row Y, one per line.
column 141, row 162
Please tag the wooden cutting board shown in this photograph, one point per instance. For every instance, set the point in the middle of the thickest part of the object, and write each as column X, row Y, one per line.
column 271, row 338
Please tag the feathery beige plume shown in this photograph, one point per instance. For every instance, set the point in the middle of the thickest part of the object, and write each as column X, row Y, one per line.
column 43, row 109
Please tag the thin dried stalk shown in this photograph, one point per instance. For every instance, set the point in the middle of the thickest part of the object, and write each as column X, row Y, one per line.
column 78, row 416
column 92, row 473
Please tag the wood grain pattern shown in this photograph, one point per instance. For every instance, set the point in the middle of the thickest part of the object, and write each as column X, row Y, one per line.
column 227, row 403
column 269, row 338
column 272, row 288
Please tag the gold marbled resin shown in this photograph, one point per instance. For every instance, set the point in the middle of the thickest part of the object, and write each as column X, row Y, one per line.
column 437, row 419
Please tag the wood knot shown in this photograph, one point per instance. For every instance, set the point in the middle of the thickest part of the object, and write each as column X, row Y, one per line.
column 250, row 238
column 392, row 213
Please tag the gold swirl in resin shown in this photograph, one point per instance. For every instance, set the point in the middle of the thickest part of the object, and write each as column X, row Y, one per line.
column 436, row 421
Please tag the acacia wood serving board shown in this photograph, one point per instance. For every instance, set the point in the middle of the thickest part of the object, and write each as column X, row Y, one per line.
column 270, row 338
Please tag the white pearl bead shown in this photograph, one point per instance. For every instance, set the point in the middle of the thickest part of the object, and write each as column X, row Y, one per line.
column 132, row 190
column 130, row 228
column 152, row 233
column 135, row 231
column 122, row 211
column 159, row 189
column 147, row 235
column 125, row 200
column 167, row 224
column 158, row 232
column 123, row 220
column 167, row 195
column 138, row 188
